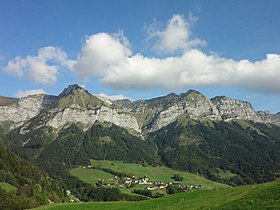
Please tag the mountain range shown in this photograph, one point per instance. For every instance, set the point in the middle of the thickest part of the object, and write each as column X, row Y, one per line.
column 189, row 132
column 76, row 105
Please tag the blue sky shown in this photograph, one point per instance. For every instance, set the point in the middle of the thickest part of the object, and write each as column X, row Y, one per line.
column 143, row 49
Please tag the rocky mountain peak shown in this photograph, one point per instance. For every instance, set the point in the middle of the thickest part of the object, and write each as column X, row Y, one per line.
column 70, row 89
column 192, row 93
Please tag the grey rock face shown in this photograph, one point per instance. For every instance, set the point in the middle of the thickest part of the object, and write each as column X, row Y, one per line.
column 230, row 109
column 265, row 116
column 198, row 106
column 192, row 104
column 76, row 105
column 25, row 109
column 89, row 116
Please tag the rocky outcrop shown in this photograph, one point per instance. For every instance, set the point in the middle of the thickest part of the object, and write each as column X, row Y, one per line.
column 265, row 116
column 198, row 106
column 192, row 104
column 90, row 116
column 230, row 109
column 25, row 109
column 69, row 90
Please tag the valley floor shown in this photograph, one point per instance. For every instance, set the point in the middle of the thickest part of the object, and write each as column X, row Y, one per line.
column 262, row 196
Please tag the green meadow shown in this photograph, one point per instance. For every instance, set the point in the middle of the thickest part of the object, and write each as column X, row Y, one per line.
column 90, row 175
column 262, row 196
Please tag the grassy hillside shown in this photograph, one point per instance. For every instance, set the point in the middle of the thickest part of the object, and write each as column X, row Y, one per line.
column 158, row 173
column 262, row 196
column 90, row 175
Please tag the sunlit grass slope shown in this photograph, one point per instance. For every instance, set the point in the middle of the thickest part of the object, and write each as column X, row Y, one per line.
column 263, row 196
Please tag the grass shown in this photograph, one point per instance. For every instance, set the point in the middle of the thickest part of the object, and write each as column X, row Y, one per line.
column 158, row 173
column 7, row 187
column 262, row 196
column 90, row 175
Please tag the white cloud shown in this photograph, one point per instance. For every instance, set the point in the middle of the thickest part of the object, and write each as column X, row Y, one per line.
column 176, row 36
column 100, row 52
column 113, row 97
column 42, row 68
column 15, row 67
column 24, row 93
column 106, row 57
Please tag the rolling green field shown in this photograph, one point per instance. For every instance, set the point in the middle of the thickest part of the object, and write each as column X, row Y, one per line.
column 90, row 175
column 8, row 187
column 158, row 173
column 262, row 196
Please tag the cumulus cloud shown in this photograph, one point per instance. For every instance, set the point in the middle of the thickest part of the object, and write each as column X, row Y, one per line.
column 100, row 52
column 176, row 36
column 24, row 93
column 42, row 68
column 107, row 57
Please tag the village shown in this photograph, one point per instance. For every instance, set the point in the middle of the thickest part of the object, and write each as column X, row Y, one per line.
column 130, row 182
column 133, row 183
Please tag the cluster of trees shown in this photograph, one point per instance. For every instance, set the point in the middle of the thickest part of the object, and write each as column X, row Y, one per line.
column 172, row 189
column 177, row 178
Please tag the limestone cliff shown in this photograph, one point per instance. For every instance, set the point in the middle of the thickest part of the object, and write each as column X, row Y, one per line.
column 76, row 105
column 25, row 109
column 192, row 104
column 230, row 109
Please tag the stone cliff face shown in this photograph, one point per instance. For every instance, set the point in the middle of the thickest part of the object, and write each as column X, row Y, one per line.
column 230, row 109
column 192, row 104
column 90, row 116
column 25, row 109
column 76, row 105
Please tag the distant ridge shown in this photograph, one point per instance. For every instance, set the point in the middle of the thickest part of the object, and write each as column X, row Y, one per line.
column 4, row 101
